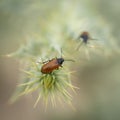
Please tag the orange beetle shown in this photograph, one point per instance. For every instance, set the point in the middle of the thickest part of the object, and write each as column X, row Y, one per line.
column 53, row 64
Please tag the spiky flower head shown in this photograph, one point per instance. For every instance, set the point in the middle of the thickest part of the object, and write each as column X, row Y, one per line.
column 49, row 86
column 59, row 28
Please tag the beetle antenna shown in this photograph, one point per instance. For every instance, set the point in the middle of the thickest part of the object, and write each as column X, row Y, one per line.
column 93, row 39
column 61, row 52
column 70, row 60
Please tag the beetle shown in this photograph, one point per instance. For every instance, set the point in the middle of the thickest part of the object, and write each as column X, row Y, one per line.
column 52, row 65
column 85, row 36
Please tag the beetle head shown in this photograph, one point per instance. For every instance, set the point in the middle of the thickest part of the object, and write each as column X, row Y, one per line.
column 60, row 60
column 85, row 37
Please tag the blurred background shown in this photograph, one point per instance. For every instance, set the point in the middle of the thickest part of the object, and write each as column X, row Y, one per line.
column 99, row 80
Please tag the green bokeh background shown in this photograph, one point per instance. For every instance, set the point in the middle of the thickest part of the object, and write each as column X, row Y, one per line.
column 99, row 94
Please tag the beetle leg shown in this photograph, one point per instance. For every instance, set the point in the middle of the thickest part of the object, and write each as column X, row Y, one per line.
column 42, row 62
column 47, row 61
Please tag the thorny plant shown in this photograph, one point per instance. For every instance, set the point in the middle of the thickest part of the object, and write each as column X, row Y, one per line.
column 59, row 29
column 48, row 85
